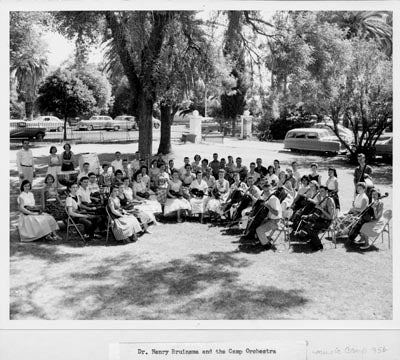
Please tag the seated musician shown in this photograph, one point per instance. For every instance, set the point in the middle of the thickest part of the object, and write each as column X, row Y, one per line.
column 117, row 178
column 94, row 188
column 372, row 228
column 84, row 172
column 250, row 196
column 89, row 221
column 236, row 191
column 269, row 223
column 105, row 177
column 361, row 200
column 86, row 203
column 360, row 203
column 254, row 174
column 318, row 220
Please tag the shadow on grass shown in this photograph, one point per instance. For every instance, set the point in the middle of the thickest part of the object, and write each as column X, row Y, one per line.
column 205, row 286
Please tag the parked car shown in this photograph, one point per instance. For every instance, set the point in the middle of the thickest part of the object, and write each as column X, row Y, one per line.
column 345, row 133
column 51, row 123
column 314, row 140
column 129, row 118
column 384, row 146
column 21, row 129
column 103, row 122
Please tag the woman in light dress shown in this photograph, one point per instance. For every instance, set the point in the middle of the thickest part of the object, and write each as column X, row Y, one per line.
column 374, row 227
column 198, row 190
column 148, row 201
column 175, row 202
column 219, row 195
column 126, row 225
column 33, row 224
column 54, row 165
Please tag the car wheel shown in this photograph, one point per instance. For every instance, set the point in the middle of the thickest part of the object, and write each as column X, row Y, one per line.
column 90, row 128
column 156, row 125
column 59, row 129
column 116, row 128
column 39, row 136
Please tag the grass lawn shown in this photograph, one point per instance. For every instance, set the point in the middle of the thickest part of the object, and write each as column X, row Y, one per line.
column 194, row 271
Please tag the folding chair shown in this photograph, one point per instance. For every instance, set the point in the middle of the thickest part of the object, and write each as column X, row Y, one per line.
column 71, row 224
column 110, row 222
column 387, row 215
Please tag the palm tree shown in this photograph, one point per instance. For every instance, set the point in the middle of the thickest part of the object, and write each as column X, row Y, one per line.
column 375, row 25
column 28, row 70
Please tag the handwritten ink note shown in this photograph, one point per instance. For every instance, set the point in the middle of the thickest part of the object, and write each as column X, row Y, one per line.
column 274, row 350
column 366, row 350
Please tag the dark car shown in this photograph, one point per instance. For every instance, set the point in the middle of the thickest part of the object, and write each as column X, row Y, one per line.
column 20, row 129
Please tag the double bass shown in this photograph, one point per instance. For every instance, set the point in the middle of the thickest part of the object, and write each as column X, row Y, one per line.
column 258, row 213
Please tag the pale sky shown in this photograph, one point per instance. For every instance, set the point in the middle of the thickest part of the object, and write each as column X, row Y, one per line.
column 61, row 48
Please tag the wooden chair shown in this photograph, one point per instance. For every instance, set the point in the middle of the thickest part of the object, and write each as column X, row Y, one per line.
column 71, row 224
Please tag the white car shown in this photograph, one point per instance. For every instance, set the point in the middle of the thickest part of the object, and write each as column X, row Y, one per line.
column 313, row 140
column 132, row 119
column 50, row 123
column 103, row 122
column 345, row 133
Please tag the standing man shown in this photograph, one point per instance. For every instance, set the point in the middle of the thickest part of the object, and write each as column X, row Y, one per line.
column 214, row 165
column 25, row 163
column 240, row 169
column 362, row 173
column 296, row 173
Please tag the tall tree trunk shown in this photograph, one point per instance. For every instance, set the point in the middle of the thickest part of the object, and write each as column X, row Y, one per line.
column 145, row 114
column 29, row 110
column 233, row 120
column 165, row 140
column 65, row 128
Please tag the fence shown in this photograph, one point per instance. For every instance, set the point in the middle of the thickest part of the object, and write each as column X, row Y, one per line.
column 24, row 130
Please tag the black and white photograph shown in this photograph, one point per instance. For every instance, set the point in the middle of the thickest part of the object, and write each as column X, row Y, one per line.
column 206, row 164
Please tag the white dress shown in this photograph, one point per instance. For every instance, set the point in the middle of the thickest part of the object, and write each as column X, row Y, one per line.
column 126, row 225
column 33, row 227
column 215, row 205
column 149, row 206
column 198, row 205
column 175, row 204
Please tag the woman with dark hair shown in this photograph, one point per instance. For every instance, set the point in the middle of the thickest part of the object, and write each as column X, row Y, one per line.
column 204, row 165
column 271, row 177
column 67, row 159
column 117, row 179
column 372, row 228
column 219, row 195
column 51, row 202
column 199, row 195
column 126, row 225
column 175, row 202
column 54, row 164
column 333, row 186
column 153, row 173
column 145, row 176
column 148, row 202
column 33, row 224
column 196, row 163
column 187, row 178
